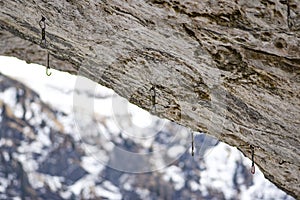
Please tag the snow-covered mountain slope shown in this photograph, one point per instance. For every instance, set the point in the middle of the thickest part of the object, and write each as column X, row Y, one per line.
column 64, row 141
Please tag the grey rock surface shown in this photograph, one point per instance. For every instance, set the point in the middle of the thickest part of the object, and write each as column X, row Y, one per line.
column 227, row 68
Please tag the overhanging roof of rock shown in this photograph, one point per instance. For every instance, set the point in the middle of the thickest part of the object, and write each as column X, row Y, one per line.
column 228, row 68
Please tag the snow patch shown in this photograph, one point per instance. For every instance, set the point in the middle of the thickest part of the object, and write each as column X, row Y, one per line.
column 194, row 186
column 174, row 174
column 9, row 97
column 91, row 165
column 107, row 194
column 6, row 156
column 18, row 111
column 3, row 184
column 54, row 182
column 143, row 193
column 176, row 151
column 220, row 166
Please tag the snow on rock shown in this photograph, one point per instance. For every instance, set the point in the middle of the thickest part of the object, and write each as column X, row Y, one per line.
column 174, row 174
column 221, row 163
column 176, row 151
column 91, row 165
column 105, row 193
column 143, row 193
column 9, row 97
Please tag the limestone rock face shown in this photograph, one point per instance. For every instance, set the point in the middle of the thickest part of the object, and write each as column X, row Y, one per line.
column 227, row 68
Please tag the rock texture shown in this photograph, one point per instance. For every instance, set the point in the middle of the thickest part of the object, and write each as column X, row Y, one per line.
column 228, row 68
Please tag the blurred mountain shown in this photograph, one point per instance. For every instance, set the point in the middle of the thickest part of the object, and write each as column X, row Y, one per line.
column 43, row 156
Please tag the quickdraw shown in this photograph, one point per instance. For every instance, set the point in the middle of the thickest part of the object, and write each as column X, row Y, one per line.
column 43, row 43
column 252, row 158
column 153, row 98
column 192, row 143
column 42, row 24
